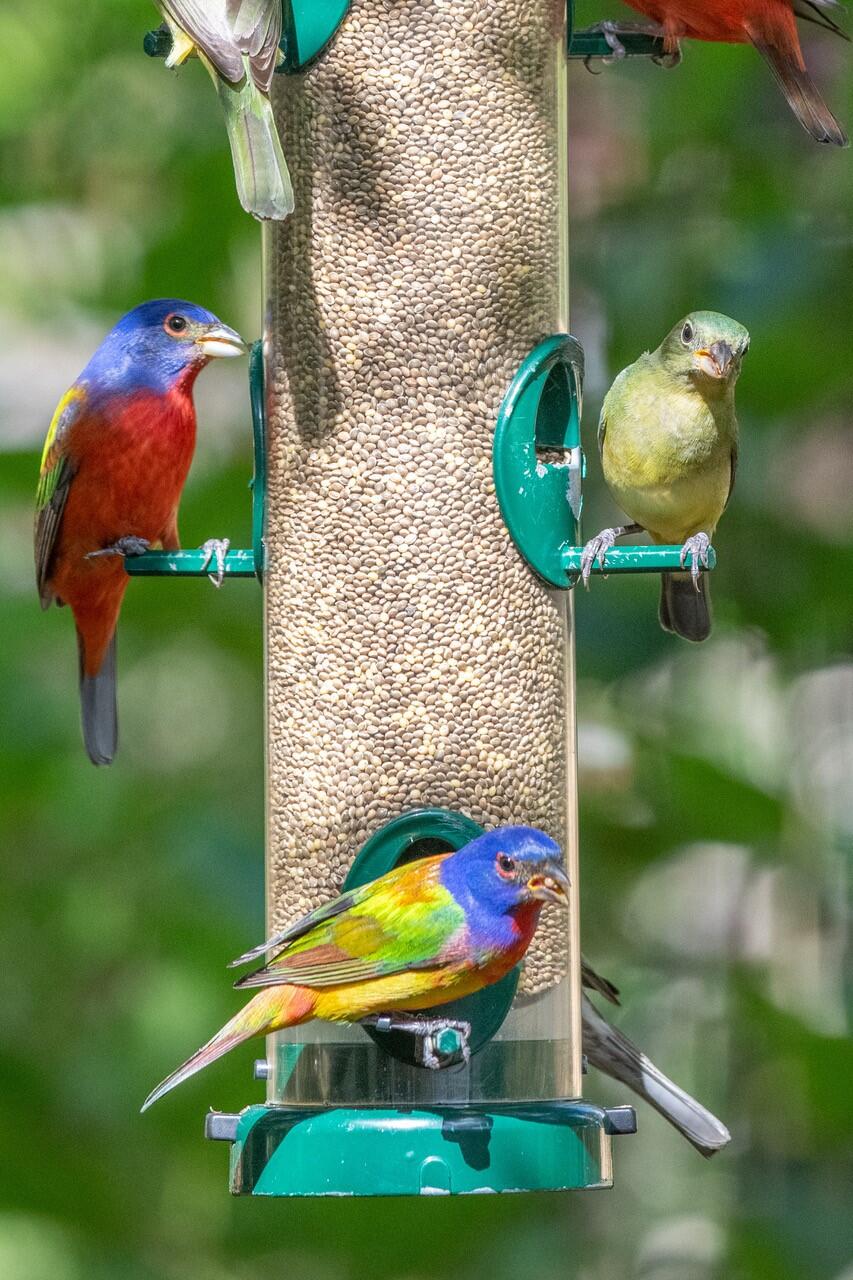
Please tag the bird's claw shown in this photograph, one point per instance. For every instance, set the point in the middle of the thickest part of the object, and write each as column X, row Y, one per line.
column 127, row 546
column 215, row 549
column 697, row 548
column 670, row 60
column 613, row 30
column 426, row 1031
column 596, row 549
column 610, row 31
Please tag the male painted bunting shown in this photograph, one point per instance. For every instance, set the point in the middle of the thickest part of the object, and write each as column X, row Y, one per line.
column 770, row 25
column 608, row 1050
column 113, row 467
column 668, row 442
column 237, row 42
column 425, row 933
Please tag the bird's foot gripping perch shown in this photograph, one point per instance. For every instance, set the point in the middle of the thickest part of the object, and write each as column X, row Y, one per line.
column 597, row 548
column 127, row 546
column 697, row 549
column 215, row 549
column 441, row 1041
column 611, row 31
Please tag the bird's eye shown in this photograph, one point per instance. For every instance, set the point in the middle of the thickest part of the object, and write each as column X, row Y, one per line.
column 687, row 333
column 174, row 324
column 506, row 865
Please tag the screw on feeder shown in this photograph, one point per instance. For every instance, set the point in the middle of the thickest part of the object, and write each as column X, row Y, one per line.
column 158, row 43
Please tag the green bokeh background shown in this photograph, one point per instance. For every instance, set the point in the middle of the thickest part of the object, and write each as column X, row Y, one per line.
column 716, row 797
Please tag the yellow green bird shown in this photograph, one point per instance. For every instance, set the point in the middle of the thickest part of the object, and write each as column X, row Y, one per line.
column 238, row 43
column 668, row 440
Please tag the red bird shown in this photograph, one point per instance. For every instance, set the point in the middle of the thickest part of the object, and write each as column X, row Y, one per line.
column 771, row 25
column 113, row 468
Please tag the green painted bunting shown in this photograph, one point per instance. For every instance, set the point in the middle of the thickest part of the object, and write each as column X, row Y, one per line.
column 238, row 43
column 668, row 440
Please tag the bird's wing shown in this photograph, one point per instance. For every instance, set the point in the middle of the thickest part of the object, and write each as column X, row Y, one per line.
column 208, row 27
column 733, row 473
column 608, row 1050
column 609, row 401
column 595, row 982
column 227, row 30
column 257, row 30
column 55, row 476
column 328, row 911
column 816, row 11
column 602, row 430
column 405, row 920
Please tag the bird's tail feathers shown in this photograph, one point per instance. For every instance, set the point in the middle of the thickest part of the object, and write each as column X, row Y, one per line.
column 260, row 169
column 685, row 606
column 608, row 1050
column 267, row 1011
column 802, row 94
column 595, row 982
column 98, row 709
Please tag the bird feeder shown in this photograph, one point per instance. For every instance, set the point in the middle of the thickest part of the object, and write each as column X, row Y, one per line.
column 417, row 498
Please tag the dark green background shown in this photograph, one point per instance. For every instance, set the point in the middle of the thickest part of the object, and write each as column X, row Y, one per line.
column 716, row 799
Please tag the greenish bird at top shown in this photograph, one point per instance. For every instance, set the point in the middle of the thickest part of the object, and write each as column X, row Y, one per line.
column 237, row 41
column 668, row 441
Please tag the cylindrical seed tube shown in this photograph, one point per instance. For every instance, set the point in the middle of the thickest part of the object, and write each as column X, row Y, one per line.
column 412, row 657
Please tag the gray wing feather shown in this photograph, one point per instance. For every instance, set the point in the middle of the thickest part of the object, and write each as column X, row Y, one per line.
column 212, row 33
column 250, row 27
column 257, row 30
column 608, row 1050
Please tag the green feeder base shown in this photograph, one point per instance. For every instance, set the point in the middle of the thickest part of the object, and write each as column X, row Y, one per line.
column 443, row 1150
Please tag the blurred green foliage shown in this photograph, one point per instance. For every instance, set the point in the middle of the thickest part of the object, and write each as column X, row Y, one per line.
column 716, row 811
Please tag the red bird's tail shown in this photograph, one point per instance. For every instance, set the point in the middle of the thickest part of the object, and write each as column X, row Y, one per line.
column 270, row 1010
column 801, row 92
column 98, row 709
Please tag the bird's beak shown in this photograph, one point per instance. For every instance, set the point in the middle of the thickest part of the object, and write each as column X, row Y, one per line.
column 221, row 342
column 551, row 884
column 714, row 361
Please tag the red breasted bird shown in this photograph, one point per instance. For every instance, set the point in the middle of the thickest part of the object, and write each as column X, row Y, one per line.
column 238, row 44
column 608, row 1050
column 112, row 471
column 771, row 26
column 426, row 933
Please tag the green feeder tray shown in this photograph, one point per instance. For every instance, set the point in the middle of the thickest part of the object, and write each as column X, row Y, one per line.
column 443, row 1150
